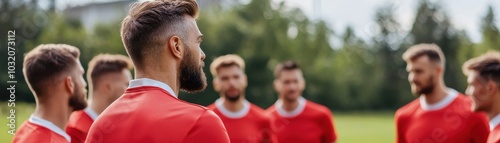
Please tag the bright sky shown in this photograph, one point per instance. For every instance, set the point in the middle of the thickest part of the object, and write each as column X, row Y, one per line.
column 464, row 14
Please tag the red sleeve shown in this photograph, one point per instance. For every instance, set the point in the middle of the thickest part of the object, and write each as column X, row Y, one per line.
column 208, row 127
column 76, row 135
column 400, row 131
column 329, row 134
column 480, row 130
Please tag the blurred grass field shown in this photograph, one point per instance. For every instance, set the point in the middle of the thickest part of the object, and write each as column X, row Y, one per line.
column 374, row 127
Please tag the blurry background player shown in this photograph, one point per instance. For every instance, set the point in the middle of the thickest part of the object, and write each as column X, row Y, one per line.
column 244, row 121
column 163, row 40
column 293, row 118
column 108, row 77
column 440, row 114
column 55, row 77
column 484, row 89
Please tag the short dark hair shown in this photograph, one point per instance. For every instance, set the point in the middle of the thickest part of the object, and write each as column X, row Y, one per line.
column 106, row 63
column 430, row 50
column 45, row 63
column 150, row 23
column 285, row 66
column 487, row 65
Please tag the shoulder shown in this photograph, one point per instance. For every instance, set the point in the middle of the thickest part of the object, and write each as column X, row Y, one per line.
column 408, row 109
column 29, row 132
column 212, row 107
column 76, row 118
column 317, row 108
column 258, row 112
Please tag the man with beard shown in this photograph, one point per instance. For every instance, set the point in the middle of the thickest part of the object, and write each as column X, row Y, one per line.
column 484, row 89
column 55, row 77
column 440, row 114
column 293, row 118
column 244, row 121
column 108, row 77
column 163, row 41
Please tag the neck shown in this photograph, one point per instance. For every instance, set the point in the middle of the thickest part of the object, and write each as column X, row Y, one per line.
column 495, row 110
column 166, row 75
column 97, row 103
column 290, row 105
column 233, row 106
column 438, row 94
column 58, row 114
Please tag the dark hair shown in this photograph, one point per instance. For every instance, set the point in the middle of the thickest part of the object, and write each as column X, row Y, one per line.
column 47, row 62
column 150, row 23
column 105, row 63
column 430, row 50
column 285, row 66
column 487, row 65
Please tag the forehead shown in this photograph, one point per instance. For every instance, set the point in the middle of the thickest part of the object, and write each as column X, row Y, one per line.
column 473, row 77
column 232, row 69
column 418, row 62
column 289, row 74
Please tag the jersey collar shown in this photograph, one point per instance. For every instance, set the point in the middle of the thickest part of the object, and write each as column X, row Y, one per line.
column 151, row 82
column 494, row 122
column 49, row 125
column 283, row 113
column 219, row 103
column 91, row 113
column 452, row 94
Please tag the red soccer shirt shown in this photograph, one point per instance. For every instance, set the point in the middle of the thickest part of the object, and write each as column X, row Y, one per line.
column 79, row 124
column 38, row 130
column 308, row 123
column 494, row 136
column 149, row 112
column 448, row 121
column 249, row 125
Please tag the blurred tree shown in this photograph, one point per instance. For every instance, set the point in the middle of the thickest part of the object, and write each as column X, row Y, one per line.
column 432, row 25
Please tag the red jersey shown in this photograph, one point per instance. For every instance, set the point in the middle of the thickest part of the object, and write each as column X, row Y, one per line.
column 308, row 123
column 38, row 130
column 79, row 124
column 448, row 121
column 494, row 136
column 249, row 125
column 149, row 111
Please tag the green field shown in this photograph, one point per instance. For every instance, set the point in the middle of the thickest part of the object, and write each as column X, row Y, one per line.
column 350, row 127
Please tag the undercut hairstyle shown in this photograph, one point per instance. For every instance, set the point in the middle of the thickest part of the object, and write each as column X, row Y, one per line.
column 285, row 66
column 432, row 51
column 150, row 24
column 226, row 61
column 104, row 64
column 46, row 63
column 487, row 65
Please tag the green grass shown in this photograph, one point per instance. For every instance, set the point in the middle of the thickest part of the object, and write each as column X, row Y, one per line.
column 22, row 112
column 375, row 127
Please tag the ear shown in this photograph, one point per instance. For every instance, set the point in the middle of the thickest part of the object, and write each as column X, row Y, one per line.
column 69, row 85
column 491, row 88
column 108, row 87
column 175, row 45
column 276, row 85
column 245, row 79
column 216, row 84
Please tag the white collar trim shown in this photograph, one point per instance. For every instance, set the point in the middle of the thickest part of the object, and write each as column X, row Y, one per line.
column 283, row 113
column 49, row 125
column 494, row 122
column 151, row 82
column 91, row 113
column 452, row 94
column 219, row 103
